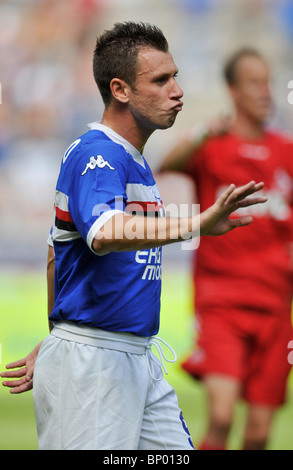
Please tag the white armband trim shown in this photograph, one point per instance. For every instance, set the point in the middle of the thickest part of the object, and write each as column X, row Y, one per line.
column 97, row 225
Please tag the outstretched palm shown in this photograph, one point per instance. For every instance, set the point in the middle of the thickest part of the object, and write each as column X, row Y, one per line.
column 216, row 219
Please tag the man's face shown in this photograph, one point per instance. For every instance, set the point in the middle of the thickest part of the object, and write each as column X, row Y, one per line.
column 251, row 91
column 155, row 99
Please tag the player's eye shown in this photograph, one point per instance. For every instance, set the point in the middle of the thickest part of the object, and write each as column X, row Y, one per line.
column 162, row 79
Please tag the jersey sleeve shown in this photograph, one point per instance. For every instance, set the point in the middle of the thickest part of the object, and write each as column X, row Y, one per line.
column 98, row 190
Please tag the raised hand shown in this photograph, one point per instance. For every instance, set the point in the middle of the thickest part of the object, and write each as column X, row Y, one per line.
column 216, row 219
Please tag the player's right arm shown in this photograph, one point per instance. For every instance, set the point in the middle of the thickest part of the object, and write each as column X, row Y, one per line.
column 131, row 233
column 190, row 142
column 96, row 199
column 50, row 281
column 22, row 370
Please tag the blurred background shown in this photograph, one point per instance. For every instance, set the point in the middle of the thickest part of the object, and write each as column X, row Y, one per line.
column 49, row 96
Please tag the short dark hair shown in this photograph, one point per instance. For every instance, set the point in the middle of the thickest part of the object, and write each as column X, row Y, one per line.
column 116, row 53
column 230, row 68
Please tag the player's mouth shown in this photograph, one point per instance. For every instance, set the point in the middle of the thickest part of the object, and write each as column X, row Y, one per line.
column 178, row 106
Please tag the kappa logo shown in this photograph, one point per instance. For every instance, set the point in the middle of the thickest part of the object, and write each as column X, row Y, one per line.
column 97, row 162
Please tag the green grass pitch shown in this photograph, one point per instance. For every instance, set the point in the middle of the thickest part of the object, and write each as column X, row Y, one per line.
column 23, row 323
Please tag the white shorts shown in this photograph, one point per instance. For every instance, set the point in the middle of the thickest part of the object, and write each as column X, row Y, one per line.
column 97, row 390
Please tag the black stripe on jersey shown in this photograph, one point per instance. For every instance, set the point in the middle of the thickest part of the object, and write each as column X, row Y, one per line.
column 144, row 213
column 62, row 225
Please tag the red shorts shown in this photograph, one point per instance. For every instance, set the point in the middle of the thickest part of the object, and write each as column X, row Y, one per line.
column 249, row 346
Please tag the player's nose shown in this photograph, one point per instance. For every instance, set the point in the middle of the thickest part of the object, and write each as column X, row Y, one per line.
column 176, row 91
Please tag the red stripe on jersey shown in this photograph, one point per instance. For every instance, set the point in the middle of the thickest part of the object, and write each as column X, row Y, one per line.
column 63, row 215
column 144, row 206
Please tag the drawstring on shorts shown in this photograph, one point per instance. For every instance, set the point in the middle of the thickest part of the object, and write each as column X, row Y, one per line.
column 125, row 342
column 155, row 341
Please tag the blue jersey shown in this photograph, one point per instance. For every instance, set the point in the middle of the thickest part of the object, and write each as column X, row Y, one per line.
column 101, row 175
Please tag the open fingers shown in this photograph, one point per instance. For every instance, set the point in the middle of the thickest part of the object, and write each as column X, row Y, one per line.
column 244, row 191
column 234, row 194
column 223, row 198
column 240, row 222
column 14, row 383
column 19, row 386
column 19, row 363
column 251, row 201
column 14, row 373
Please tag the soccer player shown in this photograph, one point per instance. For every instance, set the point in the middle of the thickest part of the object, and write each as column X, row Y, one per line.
column 96, row 382
column 243, row 281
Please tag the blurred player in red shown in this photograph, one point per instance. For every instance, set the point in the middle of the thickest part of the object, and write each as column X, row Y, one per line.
column 242, row 282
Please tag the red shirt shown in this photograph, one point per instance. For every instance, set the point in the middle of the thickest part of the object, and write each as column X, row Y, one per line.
column 249, row 267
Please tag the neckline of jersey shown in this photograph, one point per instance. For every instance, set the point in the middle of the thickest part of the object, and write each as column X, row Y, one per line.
column 261, row 140
column 136, row 155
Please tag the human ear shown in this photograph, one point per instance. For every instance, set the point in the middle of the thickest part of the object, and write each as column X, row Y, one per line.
column 119, row 89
